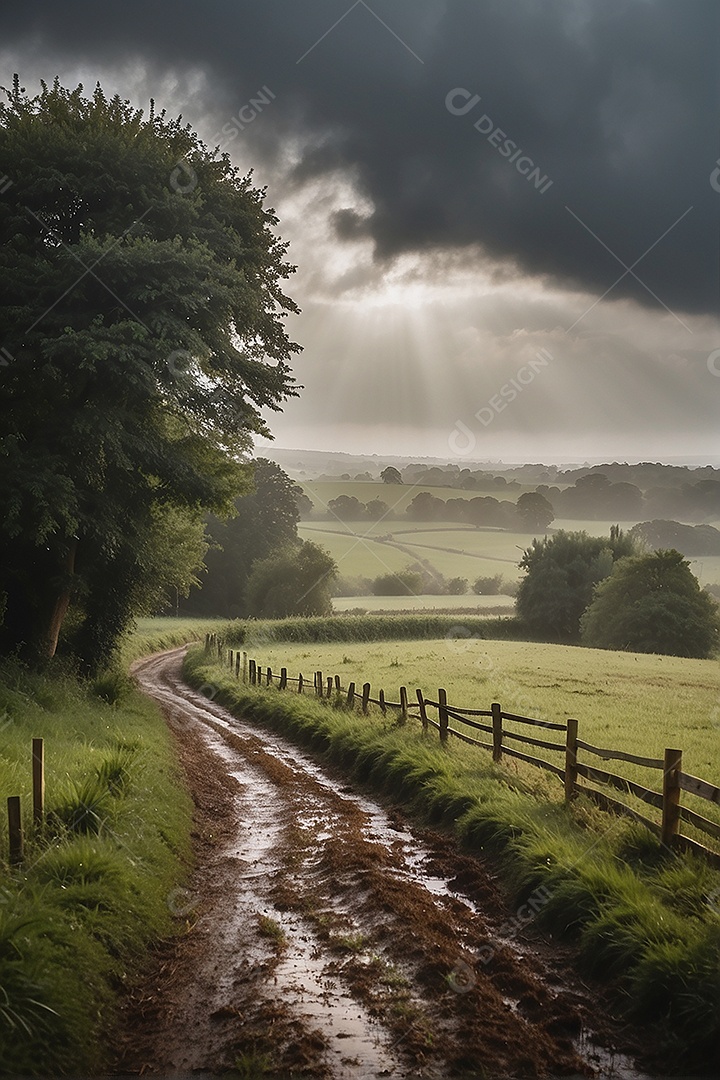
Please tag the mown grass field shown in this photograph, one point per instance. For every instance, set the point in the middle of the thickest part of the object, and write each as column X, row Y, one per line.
column 628, row 701
column 639, row 915
column 453, row 550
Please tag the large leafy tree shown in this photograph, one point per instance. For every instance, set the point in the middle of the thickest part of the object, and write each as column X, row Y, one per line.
column 264, row 521
column 141, row 332
column 652, row 603
column 561, row 572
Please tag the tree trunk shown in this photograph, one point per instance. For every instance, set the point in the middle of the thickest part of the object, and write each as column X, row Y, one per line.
column 49, row 640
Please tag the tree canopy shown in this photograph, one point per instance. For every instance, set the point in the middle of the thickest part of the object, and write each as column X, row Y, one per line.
column 652, row 603
column 263, row 522
column 293, row 581
column 143, row 331
column 561, row 572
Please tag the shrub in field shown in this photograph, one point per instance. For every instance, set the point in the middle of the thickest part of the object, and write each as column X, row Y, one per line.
column 293, row 581
column 560, row 574
column 653, row 603
column 488, row 586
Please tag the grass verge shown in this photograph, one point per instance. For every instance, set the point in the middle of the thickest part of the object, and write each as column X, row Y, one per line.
column 639, row 914
column 98, row 880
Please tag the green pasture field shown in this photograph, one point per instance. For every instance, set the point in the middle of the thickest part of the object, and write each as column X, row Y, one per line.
column 452, row 550
column 627, row 701
column 482, row 605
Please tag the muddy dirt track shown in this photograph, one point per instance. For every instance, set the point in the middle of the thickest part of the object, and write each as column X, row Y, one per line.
column 326, row 937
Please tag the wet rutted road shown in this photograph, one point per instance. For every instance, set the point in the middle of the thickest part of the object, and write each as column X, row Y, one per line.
column 326, row 937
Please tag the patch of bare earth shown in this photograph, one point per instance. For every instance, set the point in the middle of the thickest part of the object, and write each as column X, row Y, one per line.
column 326, row 937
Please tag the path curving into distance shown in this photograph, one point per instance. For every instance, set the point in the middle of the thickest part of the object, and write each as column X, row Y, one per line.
column 327, row 937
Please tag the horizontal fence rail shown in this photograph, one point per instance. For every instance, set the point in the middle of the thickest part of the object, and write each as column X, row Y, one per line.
column 567, row 767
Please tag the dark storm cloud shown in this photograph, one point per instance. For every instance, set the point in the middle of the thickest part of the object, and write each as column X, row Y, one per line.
column 610, row 109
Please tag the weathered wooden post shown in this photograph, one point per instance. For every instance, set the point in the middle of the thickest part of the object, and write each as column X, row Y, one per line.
column 269, row 679
column 672, row 767
column 300, row 683
column 423, row 711
column 15, row 829
column 283, row 678
column 571, row 759
column 381, row 699
column 365, row 696
column 497, row 730
column 329, row 686
column 443, row 715
column 403, row 705
column 252, row 671
column 231, row 659
column 38, row 780
column 319, row 683
column 245, row 666
column 351, row 696
column 338, row 686
column 238, row 658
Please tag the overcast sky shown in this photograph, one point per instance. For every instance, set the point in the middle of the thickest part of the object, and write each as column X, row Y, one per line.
column 504, row 213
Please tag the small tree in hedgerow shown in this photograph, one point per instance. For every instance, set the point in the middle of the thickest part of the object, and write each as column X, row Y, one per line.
column 561, row 572
column 296, row 580
column 652, row 603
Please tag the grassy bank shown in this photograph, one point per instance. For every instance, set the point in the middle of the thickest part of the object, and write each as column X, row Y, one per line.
column 638, row 914
column 100, row 881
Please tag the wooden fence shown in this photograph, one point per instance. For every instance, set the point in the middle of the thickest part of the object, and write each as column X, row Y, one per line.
column 567, row 747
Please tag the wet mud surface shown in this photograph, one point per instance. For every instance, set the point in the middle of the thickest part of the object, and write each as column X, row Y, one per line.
column 327, row 937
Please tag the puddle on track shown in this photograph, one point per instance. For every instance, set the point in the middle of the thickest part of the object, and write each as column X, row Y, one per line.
column 359, row 1046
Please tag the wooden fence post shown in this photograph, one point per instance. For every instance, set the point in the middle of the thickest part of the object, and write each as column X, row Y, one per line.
column 258, row 674
column 319, row 683
column 269, row 679
column 421, row 707
column 238, row 658
column 252, row 670
column 351, row 696
column 381, row 698
column 443, row 715
column 300, row 683
column 497, row 730
column 671, row 796
column 571, row 759
column 283, row 678
column 15, row 829
column 329, row 686
column 403, row 704
column 365, row 696
column 338, row 685
column 38, row 780
column 245, row 666
column 231, row 659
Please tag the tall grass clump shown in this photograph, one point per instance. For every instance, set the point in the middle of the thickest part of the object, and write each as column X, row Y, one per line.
column 646, row 918
column 77, row 916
